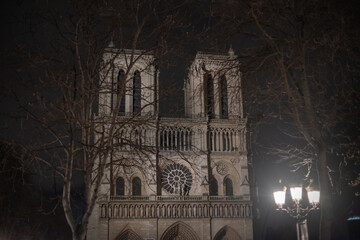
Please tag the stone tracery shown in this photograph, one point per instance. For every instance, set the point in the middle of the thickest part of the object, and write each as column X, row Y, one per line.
column 227, row 233
column 128, row 235
column 177, row 178
column 181, row 231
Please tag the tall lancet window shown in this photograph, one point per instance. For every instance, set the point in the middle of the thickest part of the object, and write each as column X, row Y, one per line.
column 136, row 186
column 121, row 89
column 120, row 186
column 137, row 92
column 228, row 187
column 209, row 94
column 223, row 98
column 213, row 187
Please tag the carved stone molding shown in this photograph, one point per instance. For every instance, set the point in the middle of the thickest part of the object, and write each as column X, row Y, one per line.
column 124, row 208
column 222, row 169
column 176, row 178
column 179, row 231
column 235, row 160
column 129, row 169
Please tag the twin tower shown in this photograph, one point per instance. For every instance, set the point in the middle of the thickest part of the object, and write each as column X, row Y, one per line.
column 173, row 178
column 212, row 87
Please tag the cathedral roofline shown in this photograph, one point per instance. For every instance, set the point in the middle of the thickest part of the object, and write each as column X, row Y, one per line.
column 216, row 55
column 112, row 49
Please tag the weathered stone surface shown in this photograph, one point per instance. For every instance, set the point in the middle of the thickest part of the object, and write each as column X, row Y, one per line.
column 209, row 141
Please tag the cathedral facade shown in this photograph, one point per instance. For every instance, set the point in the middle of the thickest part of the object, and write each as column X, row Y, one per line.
column 173, row 178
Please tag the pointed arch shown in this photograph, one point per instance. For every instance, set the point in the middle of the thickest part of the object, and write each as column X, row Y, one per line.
column 224, row 111
column 227, row 233
column 179, row 230
column 228, row 187
column 214, row 187
column 119, row 90
column 136, row 186
column 209, row 94
column 120, row 186
column 137, row 92
column 128, row 234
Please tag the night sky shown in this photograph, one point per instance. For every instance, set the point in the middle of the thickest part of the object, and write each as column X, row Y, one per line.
column 17, row 34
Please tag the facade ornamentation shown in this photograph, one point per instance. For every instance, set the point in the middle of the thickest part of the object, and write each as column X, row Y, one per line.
column 129, row 235
column 235, row 160
column 129, row 169
column 176, row 178
column 179, row 231
column 182, row 174
column 222, row 169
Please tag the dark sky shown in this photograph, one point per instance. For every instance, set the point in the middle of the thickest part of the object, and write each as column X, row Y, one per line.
column 16, row 34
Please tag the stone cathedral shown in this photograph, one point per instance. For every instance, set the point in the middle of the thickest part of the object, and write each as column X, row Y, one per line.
column 174, row 177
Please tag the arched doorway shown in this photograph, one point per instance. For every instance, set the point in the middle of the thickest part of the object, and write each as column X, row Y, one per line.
column 179, row 231
column 128, row 234
column 227, row 233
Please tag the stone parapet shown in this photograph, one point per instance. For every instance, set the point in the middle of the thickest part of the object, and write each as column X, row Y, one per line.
column 175, row 207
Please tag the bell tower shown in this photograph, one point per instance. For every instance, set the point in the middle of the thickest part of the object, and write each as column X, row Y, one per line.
column 130, row 80
column 213, row 87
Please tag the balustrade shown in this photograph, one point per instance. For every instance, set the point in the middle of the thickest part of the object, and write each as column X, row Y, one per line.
column 176, row 138
column 166, row 207
column 128, row 139
column 224, row 139
column 184, row 138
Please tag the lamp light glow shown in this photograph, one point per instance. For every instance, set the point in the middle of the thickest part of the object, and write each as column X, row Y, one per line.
column 296, row 193
column 314, row 197
column 300, row 209
column 279, row 197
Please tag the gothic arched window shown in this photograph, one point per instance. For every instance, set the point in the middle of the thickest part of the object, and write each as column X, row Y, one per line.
column 223, row 98
column 136, row 186
column 228, row 187
column 120, row 186
column 209, row 94
column 120, row 85
column 214, row 187
column 137, row 92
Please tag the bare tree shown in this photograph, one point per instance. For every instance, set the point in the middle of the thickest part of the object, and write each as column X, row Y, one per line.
column 64, row 74
column 16, row 183
column 300, row 63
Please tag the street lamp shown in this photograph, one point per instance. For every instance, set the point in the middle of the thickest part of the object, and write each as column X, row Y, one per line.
column 300, row 210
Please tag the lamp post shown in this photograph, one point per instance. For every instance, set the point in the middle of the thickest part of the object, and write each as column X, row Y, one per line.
column 300, row 210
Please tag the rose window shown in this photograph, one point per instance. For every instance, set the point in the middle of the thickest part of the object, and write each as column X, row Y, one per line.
column 222, row 169
column 176, row 178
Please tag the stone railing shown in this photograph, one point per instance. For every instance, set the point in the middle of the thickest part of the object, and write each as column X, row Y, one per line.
column 174, row 198
column 130, row 198
column 176, row 138
column 226, row 139
column 184, row 136
column 122, row 207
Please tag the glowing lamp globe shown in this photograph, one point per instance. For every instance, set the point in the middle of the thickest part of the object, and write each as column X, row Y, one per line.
column 314, row 197
column 296, row 193
column 279, row 197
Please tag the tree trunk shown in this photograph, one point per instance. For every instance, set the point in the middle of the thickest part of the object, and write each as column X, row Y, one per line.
column 80, row 232
column 325, row 199
column 78, row 236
